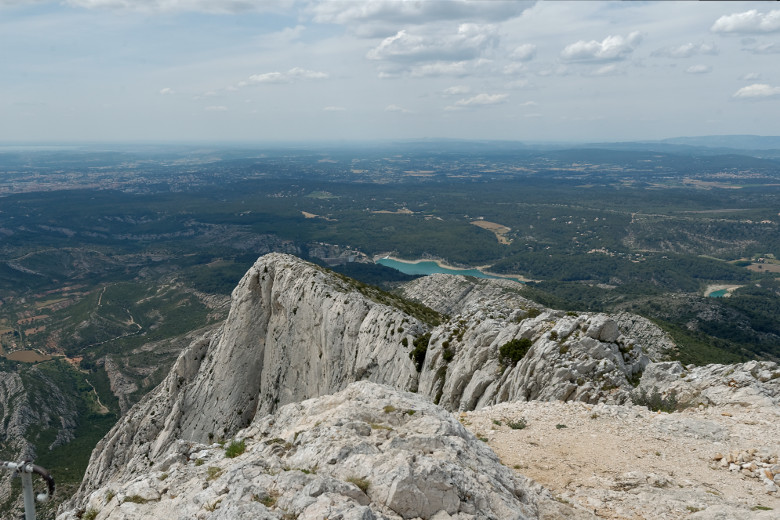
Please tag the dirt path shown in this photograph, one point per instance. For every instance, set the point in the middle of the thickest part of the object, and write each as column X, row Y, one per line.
column 102, row 409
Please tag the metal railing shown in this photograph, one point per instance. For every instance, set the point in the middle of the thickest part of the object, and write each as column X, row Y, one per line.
column 25, row 470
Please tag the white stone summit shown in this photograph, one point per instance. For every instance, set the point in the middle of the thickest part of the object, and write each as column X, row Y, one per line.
column 314, row 374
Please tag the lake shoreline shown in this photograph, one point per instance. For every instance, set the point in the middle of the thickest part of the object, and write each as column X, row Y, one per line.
column 513, row 277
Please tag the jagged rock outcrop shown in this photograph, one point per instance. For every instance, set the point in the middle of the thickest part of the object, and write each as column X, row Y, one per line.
column 297, row 331
column 367, row 452
column 294, row 331
column 755, row 383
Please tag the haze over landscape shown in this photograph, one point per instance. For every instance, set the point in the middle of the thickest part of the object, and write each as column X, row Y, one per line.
column 227, row 70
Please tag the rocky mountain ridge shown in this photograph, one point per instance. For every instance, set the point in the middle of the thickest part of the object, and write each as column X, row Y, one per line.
column 296, row 331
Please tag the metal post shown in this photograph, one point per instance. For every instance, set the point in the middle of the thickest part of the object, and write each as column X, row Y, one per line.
column 27, row 489
column 25, row 470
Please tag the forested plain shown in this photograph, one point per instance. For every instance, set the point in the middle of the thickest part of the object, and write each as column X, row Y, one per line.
column 110, row 254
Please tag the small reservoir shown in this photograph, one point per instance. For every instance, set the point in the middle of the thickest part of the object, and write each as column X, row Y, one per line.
column 426, row 267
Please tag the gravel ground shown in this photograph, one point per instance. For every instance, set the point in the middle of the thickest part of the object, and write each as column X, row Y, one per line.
column 626, row 462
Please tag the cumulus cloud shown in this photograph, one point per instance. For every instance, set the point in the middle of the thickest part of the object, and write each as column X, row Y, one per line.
column 513, row 68
column 478, row 100
column 748, row 22
column 396, row 108
column 291, row 75
column 610, row 48
column 686, row 50
column 167, row 91
column 525, row 52
column 373, row 15
column 606, row 70
column 469, row 42
column 757, row 91
column 457, row 90
column 440, row 68
column 698, row 69
column 206, row 6
column 762, row 48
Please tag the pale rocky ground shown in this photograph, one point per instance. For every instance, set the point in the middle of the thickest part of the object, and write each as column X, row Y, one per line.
column 626, row 462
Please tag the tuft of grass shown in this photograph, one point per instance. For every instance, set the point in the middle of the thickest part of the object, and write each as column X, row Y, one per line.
column 90, row 514
column 235, row 448
column 496, row 422
column 560, row 426
column 389, row 408
column 214, row 472
column 136, row 499
column 199, row 462
column 518, row 424
column 361, row 483
column 411, row 412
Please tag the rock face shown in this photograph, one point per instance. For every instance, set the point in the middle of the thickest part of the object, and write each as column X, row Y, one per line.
column 367, row 452
column 27, row 406
column 297, row 331
column 755, row 383
column 294, row 331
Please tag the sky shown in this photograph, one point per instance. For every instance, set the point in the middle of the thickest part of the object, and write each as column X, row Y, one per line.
column 299, row 70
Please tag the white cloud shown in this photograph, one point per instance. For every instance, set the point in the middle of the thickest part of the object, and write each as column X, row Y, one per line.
column 686, row 50
column 751, row 76
column 378, row 14
column 216, row 108
column 478, row 100
column 606, row 70
column 513, row 68
column 333, row 109
column 457, row 90
column 610, row 48
column 206, row 6
column 519, row 83
column 396, row 108
column 440, row 68
column 525, row 52
column 757, row 91
column 283, row 77
column 167, row 91
column 529, row 104
column 469, row 42
column 763, row 48
column 748, row 22
column 698, row 69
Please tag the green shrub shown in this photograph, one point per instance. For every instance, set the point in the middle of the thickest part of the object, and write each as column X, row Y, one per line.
column 420, row 349
column 513, row 351
column 518, row 424
column 235, row 448
column 89, row 514
column 655, row 401
column 447, row 354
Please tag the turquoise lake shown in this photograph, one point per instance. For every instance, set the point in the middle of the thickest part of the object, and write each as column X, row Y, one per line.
column 718, row 294
column 426, row 268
